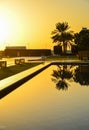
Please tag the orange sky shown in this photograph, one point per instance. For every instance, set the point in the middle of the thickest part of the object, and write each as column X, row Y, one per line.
column 30, row 22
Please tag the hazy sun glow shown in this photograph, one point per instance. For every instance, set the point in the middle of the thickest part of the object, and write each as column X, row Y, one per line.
column 5, row 28
column 11, row 29
column 30, row 22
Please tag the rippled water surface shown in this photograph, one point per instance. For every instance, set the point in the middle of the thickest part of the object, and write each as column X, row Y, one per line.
column 55, row 99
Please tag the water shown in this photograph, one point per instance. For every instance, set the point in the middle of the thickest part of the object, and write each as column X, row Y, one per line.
column 40, row 104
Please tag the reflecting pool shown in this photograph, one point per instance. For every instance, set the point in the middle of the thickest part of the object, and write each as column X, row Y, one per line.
column 55, row 99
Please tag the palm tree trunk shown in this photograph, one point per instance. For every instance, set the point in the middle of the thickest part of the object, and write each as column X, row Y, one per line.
column 64, row 47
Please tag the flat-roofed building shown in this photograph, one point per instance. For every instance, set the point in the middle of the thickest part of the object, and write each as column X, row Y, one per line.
column 13, row 51
column 19, row 51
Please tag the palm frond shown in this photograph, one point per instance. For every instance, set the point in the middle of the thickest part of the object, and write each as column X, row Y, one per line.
column 56, row 38
column 54, row 32
column 62, row 85
column 62, row 26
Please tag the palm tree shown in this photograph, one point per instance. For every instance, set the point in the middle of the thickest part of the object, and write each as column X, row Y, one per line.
column 62, row 36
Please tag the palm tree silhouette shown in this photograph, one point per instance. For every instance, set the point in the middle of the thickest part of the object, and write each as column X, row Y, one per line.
column 62, row 36
column 61, row 77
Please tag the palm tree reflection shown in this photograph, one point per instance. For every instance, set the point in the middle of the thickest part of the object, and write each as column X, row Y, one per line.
column 61, row 77
column 64, row 74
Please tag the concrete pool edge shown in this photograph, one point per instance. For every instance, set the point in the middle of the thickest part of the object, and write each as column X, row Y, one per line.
column 15, row 84
column 70, row 62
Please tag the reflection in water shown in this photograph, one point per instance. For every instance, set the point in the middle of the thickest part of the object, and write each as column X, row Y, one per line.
column 37, row 105
column 61, row 76
column 64, row 74
column 82, row 75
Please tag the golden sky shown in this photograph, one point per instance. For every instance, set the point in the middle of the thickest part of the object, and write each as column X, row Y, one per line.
column 30, row 22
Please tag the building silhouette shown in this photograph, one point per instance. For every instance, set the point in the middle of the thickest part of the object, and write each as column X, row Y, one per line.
column 19, row 51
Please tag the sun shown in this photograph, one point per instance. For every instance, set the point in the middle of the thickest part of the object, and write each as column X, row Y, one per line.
column 11, row 28
column 5, row 28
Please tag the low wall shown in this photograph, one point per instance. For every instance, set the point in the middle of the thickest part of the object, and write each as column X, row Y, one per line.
column 83, row 55
column 3, row 64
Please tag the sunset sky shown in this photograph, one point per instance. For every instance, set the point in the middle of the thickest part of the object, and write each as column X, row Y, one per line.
column 30, row 22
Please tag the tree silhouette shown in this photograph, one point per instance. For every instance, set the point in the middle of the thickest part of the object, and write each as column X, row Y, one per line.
column 82, row 39
column 64, row 74
column 62, row 36
column 61, row 76
column 81, row 75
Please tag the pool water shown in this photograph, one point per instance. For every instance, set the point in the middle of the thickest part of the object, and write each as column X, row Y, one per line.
column 43, row 104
